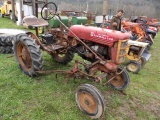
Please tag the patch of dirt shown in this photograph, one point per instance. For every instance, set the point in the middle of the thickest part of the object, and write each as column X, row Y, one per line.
column 153, row 107
column 129, row 106
column 127, row 111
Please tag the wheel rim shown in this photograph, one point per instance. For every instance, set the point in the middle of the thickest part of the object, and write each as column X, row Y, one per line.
column 40, row 30
column 118, row 81
column 59, row 56
column 87, row 102
column 132, row 67
column 24, row 56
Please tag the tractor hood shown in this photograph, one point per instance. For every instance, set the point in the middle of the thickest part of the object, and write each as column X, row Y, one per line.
column 10, row 32
column 98, row 35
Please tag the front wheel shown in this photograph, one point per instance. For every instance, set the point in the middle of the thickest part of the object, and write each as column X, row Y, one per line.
column 120, row 81
column 133, row 66
column 90, row 101
column 28, row 54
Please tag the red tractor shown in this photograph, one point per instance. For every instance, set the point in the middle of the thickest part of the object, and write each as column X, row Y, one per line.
column 104, row 48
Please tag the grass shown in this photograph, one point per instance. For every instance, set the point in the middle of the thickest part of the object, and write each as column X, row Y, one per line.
column 44, row 98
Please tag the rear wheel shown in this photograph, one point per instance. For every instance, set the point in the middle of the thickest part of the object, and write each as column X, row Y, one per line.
column 6, row 40
column 6, row 50
column 28, row 54
column 142, row 61
column 90, row 101
column 120, row 81
column 133, row 66
column 64, row 58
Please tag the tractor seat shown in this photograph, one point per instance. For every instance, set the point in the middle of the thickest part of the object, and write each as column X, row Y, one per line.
column 34, row 21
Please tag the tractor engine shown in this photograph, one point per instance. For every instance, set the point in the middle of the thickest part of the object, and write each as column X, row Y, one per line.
column 109, row 44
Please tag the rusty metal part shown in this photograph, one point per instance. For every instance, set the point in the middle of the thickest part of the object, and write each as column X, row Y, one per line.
column 93, row 74
column 52, row 47
column 101, row 77
column 35, row 22
column 49, row 48
column 24, row 56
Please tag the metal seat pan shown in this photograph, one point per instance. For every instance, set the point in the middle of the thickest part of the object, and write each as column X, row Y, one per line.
column 34, row 21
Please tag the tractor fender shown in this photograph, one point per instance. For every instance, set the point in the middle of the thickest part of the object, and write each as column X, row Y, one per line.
column 34, row 37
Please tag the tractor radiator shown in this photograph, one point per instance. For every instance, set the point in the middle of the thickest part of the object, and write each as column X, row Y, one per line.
column 118, row 51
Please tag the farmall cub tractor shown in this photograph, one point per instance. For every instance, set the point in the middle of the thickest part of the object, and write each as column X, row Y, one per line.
column 104, row 49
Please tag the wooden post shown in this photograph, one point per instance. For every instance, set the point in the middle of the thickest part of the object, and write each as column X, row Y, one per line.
column 33, row 7
column 19, row 9
column 104, row 12
column 13, row 11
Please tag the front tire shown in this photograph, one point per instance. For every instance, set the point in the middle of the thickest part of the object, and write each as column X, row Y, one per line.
column 120, row 81
column 28, row 54
column 90, row 101
column 133, row 66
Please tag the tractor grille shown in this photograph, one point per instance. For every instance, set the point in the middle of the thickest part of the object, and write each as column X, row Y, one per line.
column 121, row 51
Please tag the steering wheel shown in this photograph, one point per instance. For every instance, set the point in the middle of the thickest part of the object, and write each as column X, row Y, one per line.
column 51, row 10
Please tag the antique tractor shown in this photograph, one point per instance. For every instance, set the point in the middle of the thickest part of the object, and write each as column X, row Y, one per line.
column 137, row 54
column 104, row 49
column 139, row 32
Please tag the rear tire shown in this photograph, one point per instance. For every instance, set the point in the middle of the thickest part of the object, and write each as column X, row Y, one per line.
column 28, row 54
column 6, row 50
column 121, row 81
column 90, row 101
column 6, row 40
column 63, row 58
column 142, row 61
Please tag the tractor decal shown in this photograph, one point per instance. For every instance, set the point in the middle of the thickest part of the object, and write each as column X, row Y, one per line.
column 104, row 37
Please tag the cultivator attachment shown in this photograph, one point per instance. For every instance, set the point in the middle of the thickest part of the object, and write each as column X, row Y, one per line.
column 118, row 79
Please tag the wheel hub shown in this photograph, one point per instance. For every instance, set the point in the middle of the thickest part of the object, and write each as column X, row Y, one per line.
column 132, row 67
column 118, row 81
column 87, row 102
column 24, row 56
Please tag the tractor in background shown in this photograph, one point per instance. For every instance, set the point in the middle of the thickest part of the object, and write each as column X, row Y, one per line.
column 6, row 9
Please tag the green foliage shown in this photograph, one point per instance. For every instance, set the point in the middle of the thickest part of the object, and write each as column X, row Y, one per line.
column 45, row 98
